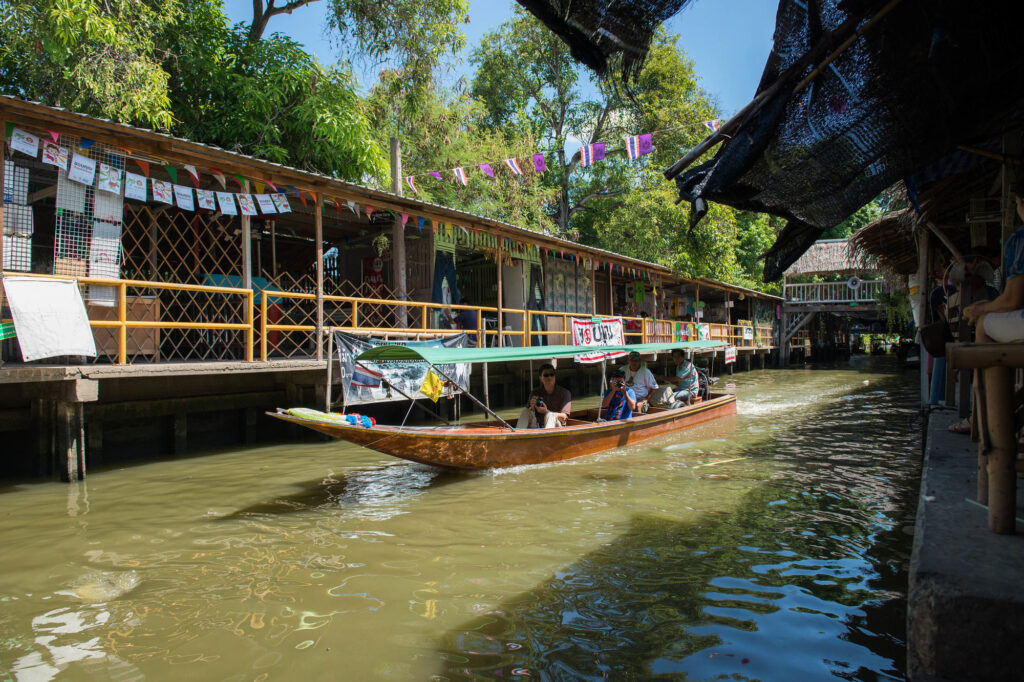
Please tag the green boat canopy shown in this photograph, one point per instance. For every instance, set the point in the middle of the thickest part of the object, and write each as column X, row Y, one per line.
column 447, row 356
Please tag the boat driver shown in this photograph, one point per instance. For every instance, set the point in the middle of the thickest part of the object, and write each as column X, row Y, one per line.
column 549, row 404
column 685, row 382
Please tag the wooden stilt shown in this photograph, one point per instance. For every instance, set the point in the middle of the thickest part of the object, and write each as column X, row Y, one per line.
column 487, row 388
column 70, row 445
column 1002, row 457
column 180, row 428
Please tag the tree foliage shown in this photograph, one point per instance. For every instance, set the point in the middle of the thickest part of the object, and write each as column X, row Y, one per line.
column 97, row 58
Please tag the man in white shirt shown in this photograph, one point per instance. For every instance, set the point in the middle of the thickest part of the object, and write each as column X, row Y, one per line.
column 641, row 380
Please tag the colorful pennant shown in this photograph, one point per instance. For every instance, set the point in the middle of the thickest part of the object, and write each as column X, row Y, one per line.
column 460, row 175
column 412, row 185
column 713, row 125
column 638, row 145
column 513, row 166
column 486, row 168
column 591, row 153
column 194, row 173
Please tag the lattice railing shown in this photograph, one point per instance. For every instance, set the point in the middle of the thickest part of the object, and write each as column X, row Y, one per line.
column 164, row 244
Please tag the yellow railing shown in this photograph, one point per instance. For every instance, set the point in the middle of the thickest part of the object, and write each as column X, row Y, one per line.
column 228, row 302
column 157, row 321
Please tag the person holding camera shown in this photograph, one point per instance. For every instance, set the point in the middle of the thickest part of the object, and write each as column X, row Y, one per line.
column 549, row 404
column 619, row 400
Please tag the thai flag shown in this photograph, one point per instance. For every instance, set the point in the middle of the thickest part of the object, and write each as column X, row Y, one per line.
column 408, row 180
column 591, row 153
column 513, row 165
column 714, row 124
column 460, row 175
column 364, row 376
column 638, row 145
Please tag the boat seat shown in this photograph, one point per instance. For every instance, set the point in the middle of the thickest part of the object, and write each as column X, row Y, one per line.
column 577, row 422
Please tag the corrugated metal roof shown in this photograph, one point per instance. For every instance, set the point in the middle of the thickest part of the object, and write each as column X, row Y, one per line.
column 180, row 148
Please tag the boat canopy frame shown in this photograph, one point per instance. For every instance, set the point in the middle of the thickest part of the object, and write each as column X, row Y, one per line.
column 448, row 356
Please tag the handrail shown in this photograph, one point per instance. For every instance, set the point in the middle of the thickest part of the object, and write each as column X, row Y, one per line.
column 355, row 318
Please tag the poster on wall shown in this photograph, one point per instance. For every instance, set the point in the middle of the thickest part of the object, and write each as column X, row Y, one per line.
column 163, row 192
column 83, row 169
column 26, row 143
column 246, row 203
column 600, row 331
column 55, row 155
column 730, row 355
column 206, row 199
column 266, row 204
column 134, row 186
column 183, row 197
column 226, row 200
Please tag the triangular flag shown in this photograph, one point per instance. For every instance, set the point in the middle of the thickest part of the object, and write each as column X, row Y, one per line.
column 259, row 186
column 219, row 177
column 337, row 206
column 194, row 173
column 432, row 386
column 125, row 150
column 369, row 211
column 419, row 223
column 352, row 207
column 713, row 125
column 240, row 179
column 412, row 185
column 405, row 219
column 486, row 168
column 54, row 134
column 9, row 129
column 173, row 172
column 302, row 197
column 86, row 143
column 460, row 175
column 143, row 165
column 272, row 185
column 435, row 174
column 513, row 165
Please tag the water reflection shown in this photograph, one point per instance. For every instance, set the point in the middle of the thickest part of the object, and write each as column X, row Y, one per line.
column 768, row 546
column 804, row 580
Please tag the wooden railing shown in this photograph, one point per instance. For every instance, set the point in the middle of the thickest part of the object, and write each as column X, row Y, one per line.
column 143, row 321
column 834, row 292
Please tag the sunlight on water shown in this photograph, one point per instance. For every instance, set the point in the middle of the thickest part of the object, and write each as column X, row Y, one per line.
column 763, row 546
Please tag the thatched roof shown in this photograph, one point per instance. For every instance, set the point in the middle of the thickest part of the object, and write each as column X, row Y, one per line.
column 889, row 241
column 830, row 256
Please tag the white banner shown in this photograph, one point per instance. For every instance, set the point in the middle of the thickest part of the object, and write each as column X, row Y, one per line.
column 598, row 331
column 730, row 355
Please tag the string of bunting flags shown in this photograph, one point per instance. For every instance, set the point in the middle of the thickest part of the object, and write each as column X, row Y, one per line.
column 635, row 146
column 108, row 172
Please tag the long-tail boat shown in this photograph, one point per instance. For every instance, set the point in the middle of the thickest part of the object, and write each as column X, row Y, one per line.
column 496, row 443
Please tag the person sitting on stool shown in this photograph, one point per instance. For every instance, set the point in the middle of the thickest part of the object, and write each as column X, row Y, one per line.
column 685, row 380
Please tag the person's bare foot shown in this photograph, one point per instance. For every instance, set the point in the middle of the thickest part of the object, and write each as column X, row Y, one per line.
column 963, row 427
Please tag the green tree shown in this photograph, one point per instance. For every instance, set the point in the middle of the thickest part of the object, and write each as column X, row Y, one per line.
column 96, row 58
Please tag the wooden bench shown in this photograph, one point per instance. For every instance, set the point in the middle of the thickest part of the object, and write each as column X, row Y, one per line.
column 995, row 425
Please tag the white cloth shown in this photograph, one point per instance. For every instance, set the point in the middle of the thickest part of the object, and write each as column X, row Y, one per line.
column 528, row 420
column 641, row 381
column 49, row 317
column 1005, row 327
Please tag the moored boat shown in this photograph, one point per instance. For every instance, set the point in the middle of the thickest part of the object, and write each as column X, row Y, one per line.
column 496, row 444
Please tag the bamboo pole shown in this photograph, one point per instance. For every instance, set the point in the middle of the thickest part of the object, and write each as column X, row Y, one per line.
column 122, row 318
column 501, row 302
column 398, row 237
column 1002, row 458
column 246, row 246
column 319, row 237
column 330, row 364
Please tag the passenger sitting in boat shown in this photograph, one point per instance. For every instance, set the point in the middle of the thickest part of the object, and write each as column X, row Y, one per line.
column 549, row 404
column 685, row 381
column 641, row 380
column 619, row 400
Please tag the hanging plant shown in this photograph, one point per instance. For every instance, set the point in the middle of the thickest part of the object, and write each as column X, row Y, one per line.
column 896, row 305
column 381, row 243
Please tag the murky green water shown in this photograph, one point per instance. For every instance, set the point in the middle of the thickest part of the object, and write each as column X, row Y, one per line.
column 770, row 546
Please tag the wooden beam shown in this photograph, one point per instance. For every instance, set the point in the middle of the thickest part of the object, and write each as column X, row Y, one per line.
column 983, row 355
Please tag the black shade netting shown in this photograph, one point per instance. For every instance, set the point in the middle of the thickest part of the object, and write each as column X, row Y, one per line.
column 599, row 30
column 928, row 76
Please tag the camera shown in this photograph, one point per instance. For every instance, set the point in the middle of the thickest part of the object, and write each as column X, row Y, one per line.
column 539, row 402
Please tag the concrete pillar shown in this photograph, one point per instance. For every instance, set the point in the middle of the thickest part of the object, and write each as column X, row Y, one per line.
column 70, row 449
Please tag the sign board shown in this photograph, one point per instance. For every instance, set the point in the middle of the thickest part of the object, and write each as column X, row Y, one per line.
column 606, row 331
column 703, row 332
column 730, row 355
column 748, row 333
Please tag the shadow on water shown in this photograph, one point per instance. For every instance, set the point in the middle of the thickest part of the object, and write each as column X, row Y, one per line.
column 352, row 489
column 805, row 579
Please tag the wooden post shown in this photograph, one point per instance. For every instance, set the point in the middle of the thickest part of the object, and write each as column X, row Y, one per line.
column 246, row 246
column 273, row 248
column 1002, row 458
column 3, row 167
column 398, row 238
column 318, row 218
column 501, row 268
column 330, row 367
column 70, row 441
column 487, row 388
column 923, row 254
column 611, row 291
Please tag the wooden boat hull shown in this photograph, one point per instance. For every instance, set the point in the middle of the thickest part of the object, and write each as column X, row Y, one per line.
column 485, row 446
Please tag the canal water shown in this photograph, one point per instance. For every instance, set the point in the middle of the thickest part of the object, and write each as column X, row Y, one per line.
column 768, row 546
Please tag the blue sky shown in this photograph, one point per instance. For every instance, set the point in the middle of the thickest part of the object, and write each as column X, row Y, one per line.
column 728, row 40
